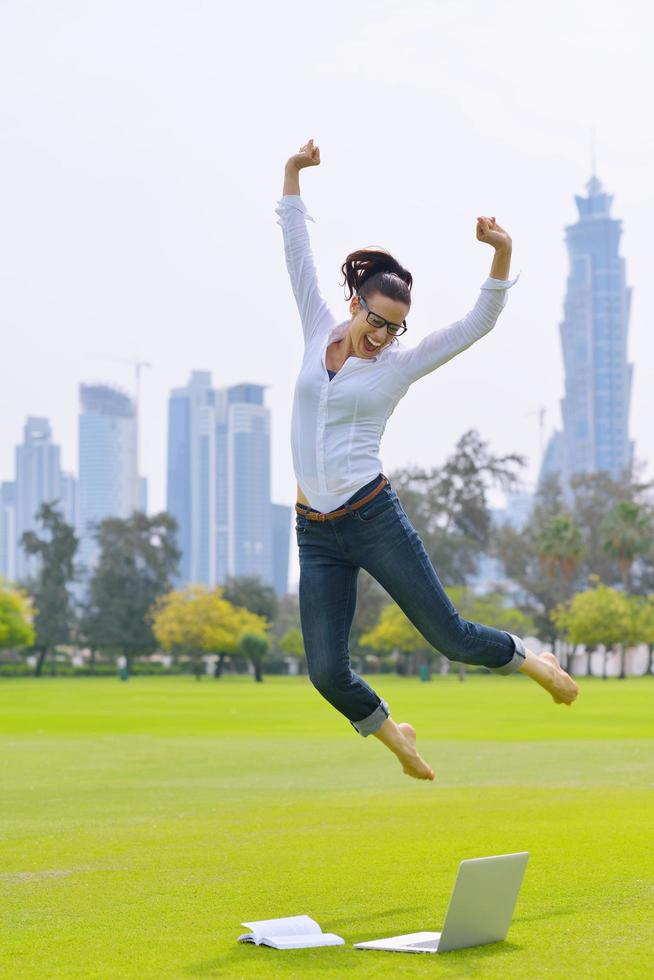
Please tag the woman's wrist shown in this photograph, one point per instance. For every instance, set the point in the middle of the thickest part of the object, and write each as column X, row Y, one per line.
column 501, row 262
column 291, row 179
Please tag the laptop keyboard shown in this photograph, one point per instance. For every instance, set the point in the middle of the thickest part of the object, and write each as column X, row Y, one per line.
column 428, row 944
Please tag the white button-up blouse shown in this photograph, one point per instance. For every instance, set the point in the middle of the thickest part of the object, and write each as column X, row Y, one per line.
column 337, row 425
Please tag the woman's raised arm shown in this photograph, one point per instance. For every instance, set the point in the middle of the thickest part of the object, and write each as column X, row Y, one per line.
column 442, row 345
column 314, row 312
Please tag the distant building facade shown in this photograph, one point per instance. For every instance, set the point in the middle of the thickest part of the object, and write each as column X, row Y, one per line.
column 594, row 333
column 249, row 542
column 191, row 476
column 38, row 481
column 69, row 499
column 8, row 530
column 218, row 485
column 281, row 533
column 109, row 485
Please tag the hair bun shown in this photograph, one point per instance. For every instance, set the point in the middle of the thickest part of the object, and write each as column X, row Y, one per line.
column 361, row 266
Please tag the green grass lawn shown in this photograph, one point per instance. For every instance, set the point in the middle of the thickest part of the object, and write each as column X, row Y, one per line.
column 142, row 822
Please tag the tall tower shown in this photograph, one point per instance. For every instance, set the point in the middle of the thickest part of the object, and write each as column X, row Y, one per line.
column 108, row 485
column 219, row 480
column 191, row 481
column 38, row 481
column 250, row 540
column 8, row 530
column 598, row 378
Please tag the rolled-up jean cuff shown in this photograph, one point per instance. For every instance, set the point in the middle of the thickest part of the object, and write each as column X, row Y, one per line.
column 517, row 660
column 369, row 725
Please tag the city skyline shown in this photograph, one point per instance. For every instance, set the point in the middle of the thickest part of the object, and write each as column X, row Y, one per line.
column 218, row 482
column 597, row 378
column 138, row 203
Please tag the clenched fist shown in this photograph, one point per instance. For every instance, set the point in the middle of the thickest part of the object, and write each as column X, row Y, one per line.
column 308, row 156
column 491, row 233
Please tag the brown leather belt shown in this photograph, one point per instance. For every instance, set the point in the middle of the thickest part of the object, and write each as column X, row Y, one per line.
column 316, row 515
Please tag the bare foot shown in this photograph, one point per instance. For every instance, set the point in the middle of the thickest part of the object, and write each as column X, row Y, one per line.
column 401, row 740
column 560, row 685
column 412, row 763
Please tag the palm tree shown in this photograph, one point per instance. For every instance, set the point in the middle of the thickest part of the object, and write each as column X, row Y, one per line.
column 560, row 546
column 628, row 530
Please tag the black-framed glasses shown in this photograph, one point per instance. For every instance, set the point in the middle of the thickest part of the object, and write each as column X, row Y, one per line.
column 377, row 321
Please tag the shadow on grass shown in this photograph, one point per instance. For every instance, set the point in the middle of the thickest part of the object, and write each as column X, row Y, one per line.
column 336, row 924
column 545, row 915
column 331, row 959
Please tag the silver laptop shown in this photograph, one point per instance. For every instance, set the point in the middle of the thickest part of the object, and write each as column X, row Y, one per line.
column 480, row 910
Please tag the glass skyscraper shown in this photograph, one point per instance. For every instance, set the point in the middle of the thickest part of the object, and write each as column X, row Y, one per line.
column 108, row 479
column 594, row 331
column 8, row 530
column 282, row 515
column 38, row 481
column 219, row 481
column 191, row 476
column 249, row 549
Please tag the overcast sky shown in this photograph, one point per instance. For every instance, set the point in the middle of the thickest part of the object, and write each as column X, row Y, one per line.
column 142, row 146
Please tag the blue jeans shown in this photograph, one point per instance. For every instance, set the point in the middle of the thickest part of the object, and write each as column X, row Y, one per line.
column 379, row 538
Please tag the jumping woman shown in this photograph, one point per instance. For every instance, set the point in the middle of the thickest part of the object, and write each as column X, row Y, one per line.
column 349, row 517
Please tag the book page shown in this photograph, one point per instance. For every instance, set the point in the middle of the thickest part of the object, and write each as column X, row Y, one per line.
column 293, row 925
column 303, row 941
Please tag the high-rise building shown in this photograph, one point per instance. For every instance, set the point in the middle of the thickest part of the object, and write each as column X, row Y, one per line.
column 249, row 546
column 38, row 481
column 142, row 503
column 69, row 499
column 108, row 477
column 598, row 377
column 8, row 531
column 219, row 480
column 281, row 531
column 191, row 483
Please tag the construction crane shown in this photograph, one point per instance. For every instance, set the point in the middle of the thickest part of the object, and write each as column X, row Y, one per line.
column 541, row 413
column 136, row 364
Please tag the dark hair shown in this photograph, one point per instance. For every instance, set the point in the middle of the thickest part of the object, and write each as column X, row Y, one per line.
column 374, row 270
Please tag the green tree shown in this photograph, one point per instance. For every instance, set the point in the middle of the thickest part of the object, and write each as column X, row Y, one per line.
column 250, row 592
column 394, row 632
column 16, row 615
column 547, row 560
column 491, row 609
column 292, row 644
column 138, row 560
column 197, row 621
column 643, row 612
column 599, row 616
column 542, row 557
column 287, row 620
column 54, row 618
column 371, row 599
column 255, row 646
column 596, row 497
column 628, row 531
column 449, row 507
column 559, row 546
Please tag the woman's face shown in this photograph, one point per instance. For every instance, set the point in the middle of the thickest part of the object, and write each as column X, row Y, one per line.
column 367, row 340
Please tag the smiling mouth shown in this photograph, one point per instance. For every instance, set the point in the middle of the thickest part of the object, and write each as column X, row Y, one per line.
column 369, row 346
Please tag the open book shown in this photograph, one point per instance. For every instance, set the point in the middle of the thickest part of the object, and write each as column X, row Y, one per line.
column 294, row 932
